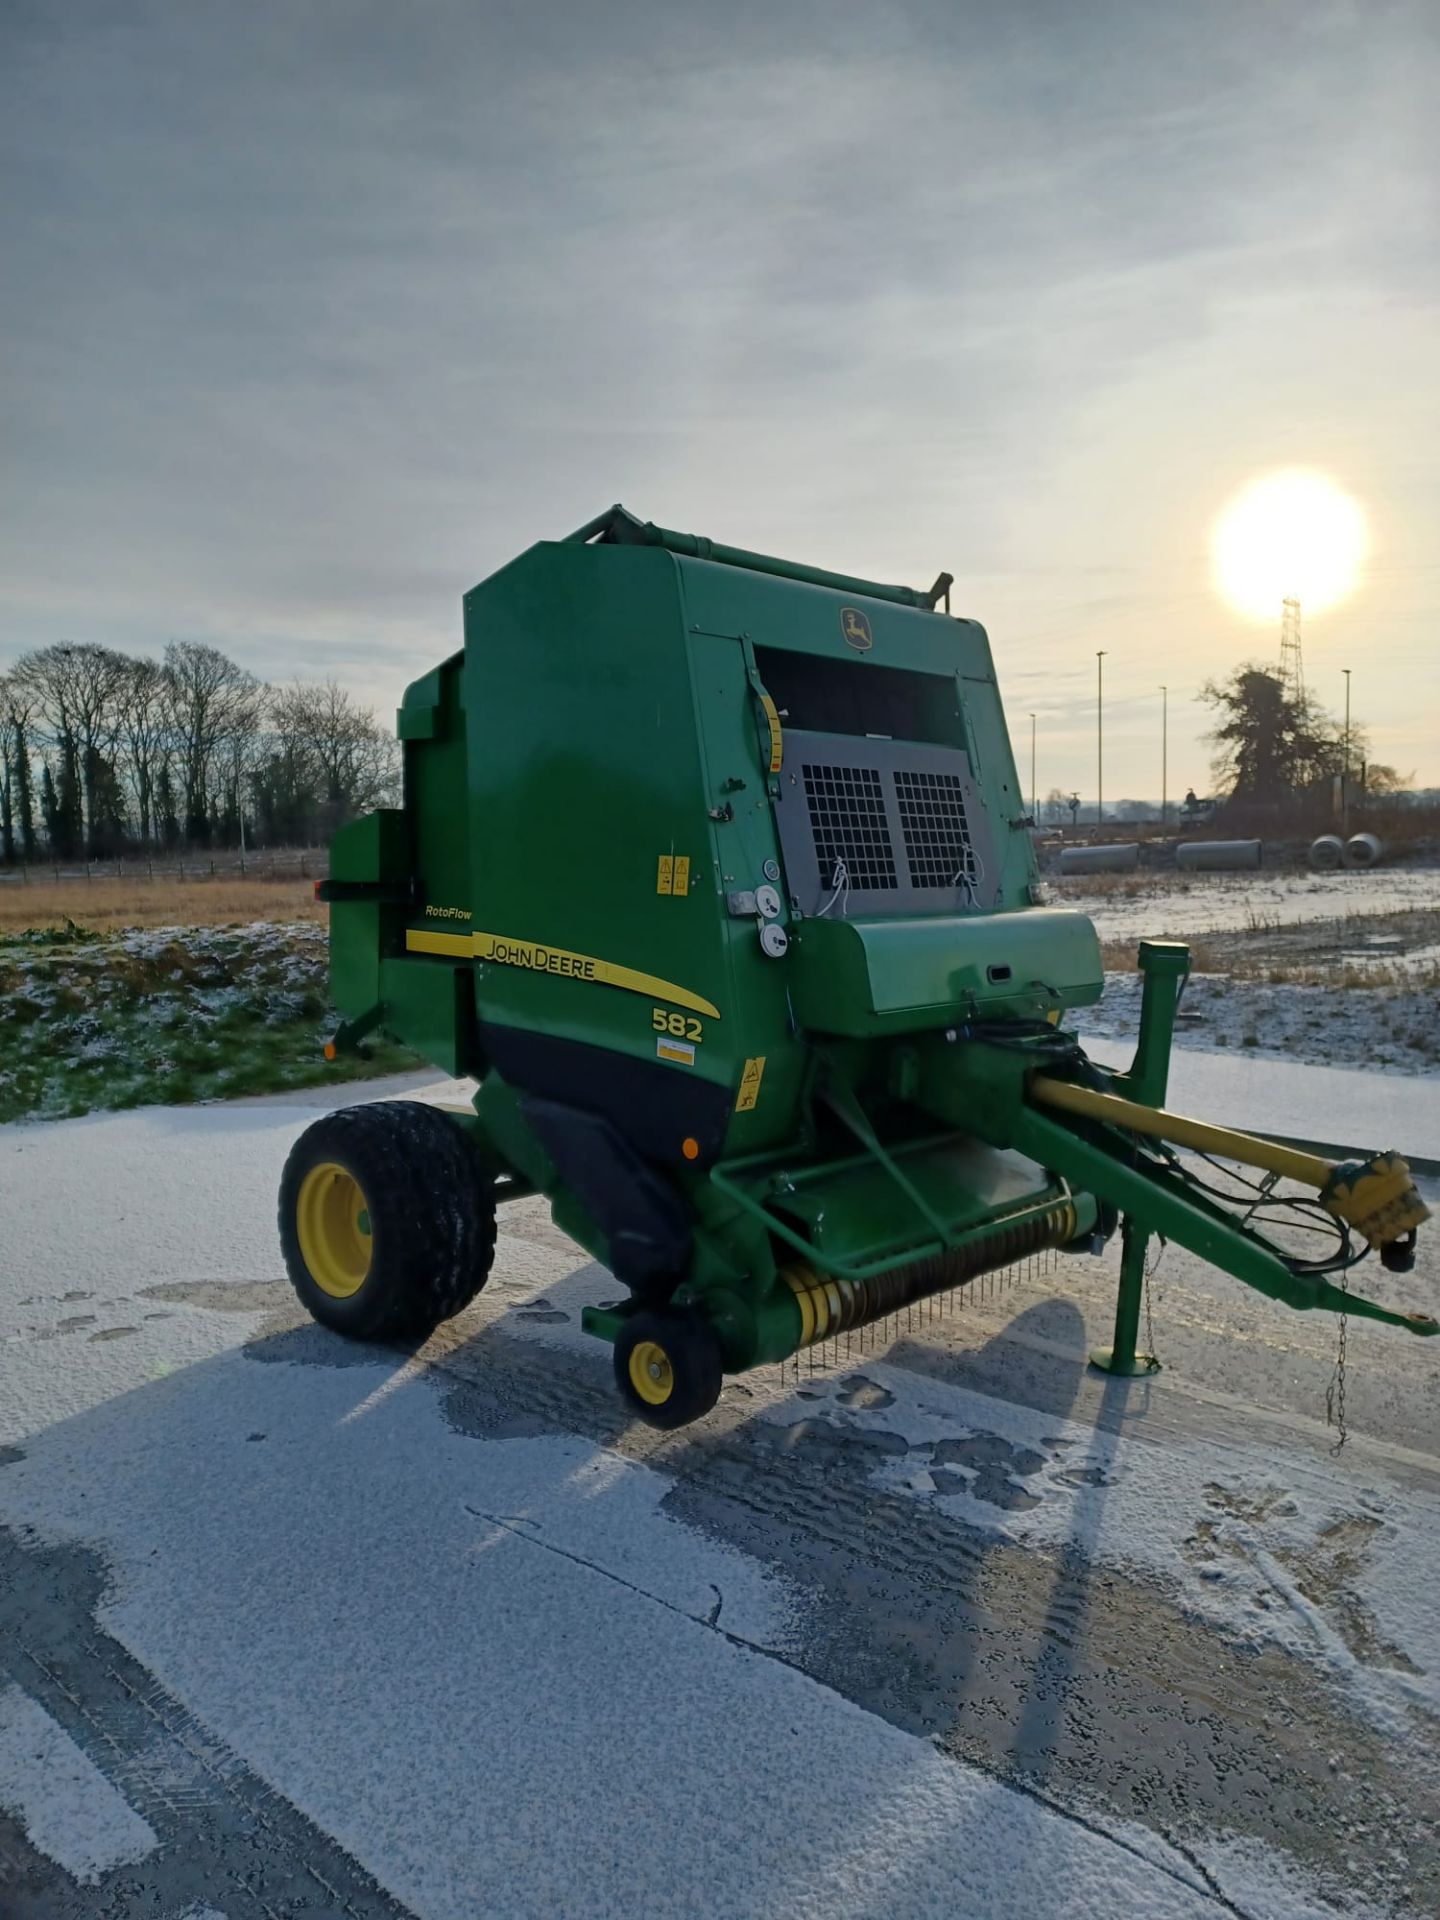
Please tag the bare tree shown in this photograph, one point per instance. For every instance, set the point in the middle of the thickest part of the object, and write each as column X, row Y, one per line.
column 239, row 767
column 331, row 759
column 356, row 761
column 7, row 778
column 143, row 718
column 184, row 749
column 75, row 690
column 209, row 701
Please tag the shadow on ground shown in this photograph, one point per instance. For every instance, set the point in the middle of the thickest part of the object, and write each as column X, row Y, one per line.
column 1049, row 1671
column 1052, row 1670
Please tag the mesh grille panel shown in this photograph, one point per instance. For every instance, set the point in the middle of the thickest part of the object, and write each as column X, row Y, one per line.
column 847, row 820
column 937, row 834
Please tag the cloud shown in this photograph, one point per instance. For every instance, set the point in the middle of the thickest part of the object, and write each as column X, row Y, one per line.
column 317, row 315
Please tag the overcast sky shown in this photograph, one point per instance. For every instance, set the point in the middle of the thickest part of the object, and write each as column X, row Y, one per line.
column 314, row 313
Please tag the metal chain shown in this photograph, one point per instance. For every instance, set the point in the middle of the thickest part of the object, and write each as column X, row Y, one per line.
column 1335, row 1392
column 1152, row 1266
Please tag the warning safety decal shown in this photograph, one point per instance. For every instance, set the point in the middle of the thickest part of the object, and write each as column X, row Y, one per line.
column 750, row 1084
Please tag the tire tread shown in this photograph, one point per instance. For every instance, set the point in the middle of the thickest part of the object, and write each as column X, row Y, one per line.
column 428, row 1183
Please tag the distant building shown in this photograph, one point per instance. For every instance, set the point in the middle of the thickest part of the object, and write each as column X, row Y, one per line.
column 1193, row 810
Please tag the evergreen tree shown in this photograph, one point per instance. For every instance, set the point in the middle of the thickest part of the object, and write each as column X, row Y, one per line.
column 74, row 690
column 108, row 821
column 227, row 819
column 284, row 792
column 17, row 805
column 24, row 791
column 1269, row 744
column 69, row 827
column 167, row 810
column 49, row 806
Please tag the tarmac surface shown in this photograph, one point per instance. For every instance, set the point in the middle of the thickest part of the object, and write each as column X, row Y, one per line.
column 1332, row 1107
column 944, row 1623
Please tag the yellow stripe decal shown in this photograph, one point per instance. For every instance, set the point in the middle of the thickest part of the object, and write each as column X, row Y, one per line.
column 459, row 944
column 539, row 958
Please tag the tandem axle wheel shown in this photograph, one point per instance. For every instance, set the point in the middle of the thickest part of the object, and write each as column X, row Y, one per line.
column 387, row 1220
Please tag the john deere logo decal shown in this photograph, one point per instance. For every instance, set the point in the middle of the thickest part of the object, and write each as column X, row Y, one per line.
column 856, row 628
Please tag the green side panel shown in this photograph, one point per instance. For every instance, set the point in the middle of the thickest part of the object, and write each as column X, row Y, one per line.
column 416, row 723
column 869, row 977
column 429, row 1006
column 374, row 848
column 584, row 776
column 856, row 1212
column 436, row 793
column 387, row 953
column 420, row 716
column 736, row 783
column 354, row 956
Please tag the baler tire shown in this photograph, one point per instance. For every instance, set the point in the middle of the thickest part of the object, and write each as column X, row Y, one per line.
column 422, row 1199
column 676, row 1353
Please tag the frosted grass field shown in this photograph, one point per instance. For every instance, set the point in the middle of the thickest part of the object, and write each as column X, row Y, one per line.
column 1173, row 906
column 167, row 1014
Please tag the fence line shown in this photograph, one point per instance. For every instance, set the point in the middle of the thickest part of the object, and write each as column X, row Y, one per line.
column 281, row 865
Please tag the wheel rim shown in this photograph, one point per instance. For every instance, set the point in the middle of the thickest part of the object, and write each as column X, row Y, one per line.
column 651, row 1373
column 332, row 1221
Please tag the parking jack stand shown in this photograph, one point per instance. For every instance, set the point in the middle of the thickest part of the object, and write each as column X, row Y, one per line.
column 1122, row 1358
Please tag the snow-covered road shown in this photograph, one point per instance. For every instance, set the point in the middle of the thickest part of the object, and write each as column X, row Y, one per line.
column 947, row 1627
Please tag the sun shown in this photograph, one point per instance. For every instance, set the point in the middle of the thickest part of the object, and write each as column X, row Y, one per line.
column 1288, row 536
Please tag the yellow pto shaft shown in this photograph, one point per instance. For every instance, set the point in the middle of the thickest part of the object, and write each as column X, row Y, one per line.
column 1377, row 1196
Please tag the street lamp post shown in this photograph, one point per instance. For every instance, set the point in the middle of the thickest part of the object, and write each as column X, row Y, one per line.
column 1034, row 802
column 1164, row 757
column 1099, row 735
column 1345, row 772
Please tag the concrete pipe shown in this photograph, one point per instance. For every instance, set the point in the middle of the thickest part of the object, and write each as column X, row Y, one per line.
column 1363, row 850
column 1326, row 853
column 1124, row 859
column 1218, row 856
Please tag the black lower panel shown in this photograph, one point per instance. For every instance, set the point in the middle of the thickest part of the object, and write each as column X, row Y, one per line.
column 639, row 1210
column 652, row 1106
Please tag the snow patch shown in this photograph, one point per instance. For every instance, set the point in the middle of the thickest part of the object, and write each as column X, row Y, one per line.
column 69, row 1810
column 1171, row 907
column 1301, row 1555
column 505, row 1695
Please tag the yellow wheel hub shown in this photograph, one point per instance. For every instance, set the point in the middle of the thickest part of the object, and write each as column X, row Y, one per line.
column 332, row 1222
column 651, row 1374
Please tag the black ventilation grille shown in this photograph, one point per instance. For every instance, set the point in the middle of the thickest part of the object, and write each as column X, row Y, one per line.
column 847, row 821
column 937, row 834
